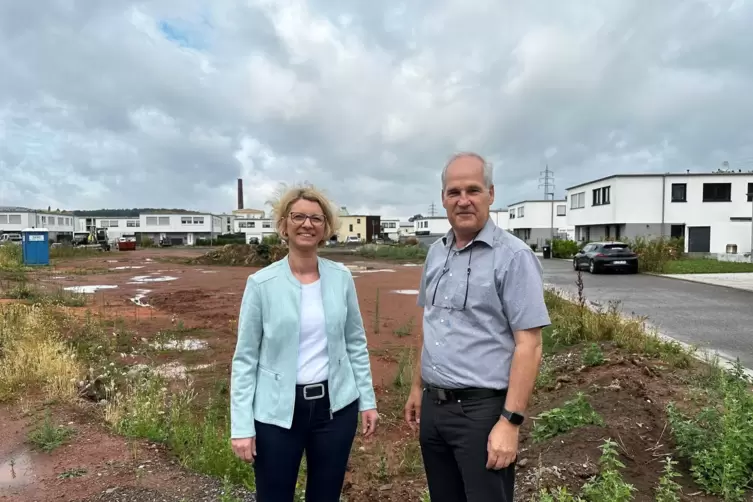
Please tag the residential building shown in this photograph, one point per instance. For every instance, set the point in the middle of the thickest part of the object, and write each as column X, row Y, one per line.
column 255, row 228
column 536, row 221
column 435, row 226
column 711, row 211
column 501, row 218
column 180, row 228
column 364, row 227
column 391, row 228
column 15, row 219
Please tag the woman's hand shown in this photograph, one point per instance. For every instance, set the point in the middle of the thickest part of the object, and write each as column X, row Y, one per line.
column 244, row 448
column 369, row 419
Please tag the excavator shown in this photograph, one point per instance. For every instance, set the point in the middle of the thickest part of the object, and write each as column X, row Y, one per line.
column 97, row 238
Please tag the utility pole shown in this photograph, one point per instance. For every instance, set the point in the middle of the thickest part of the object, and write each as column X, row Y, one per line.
column 546, row 180
column 432, row 209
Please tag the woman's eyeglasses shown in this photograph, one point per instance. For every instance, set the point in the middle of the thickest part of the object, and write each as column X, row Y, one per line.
column 299, row 218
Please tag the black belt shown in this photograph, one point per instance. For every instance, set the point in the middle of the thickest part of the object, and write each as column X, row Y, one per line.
column 311, row 391
column 443, row 395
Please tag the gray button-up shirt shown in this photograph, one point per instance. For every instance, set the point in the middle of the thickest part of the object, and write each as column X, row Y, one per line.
column 474, row 299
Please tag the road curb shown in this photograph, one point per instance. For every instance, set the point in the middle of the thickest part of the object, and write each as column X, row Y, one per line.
column 701, row 354
column 685, row 279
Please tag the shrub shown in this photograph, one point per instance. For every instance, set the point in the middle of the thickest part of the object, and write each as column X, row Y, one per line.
column 653, row 254
column 392, row 251
column 563, row 248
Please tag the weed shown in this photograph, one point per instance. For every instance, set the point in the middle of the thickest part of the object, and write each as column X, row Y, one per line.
column 410, row 461
column 718, row 440
column 404, row 375
column 47, row 437
column 406, row 329
column 668, row 489
column 574, row 413
column 392, row 251
column 593, row 356
column 34, row 355
column 72, row 473
column 546, row 376
column 609, row 485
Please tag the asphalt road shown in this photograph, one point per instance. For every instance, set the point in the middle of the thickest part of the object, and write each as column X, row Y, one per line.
column 713, row 317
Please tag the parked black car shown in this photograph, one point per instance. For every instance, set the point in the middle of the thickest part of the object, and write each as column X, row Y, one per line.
column 601, row 256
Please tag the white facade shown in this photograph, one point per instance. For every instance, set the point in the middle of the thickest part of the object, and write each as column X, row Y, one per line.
column 536, row 221
column 183, row 227
column 431, row 225
column 16, row 219
column 710, row 211
column 501, row 218
column 254, row 228
column 391, row 228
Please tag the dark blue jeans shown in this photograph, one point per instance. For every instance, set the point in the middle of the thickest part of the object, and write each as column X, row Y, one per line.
column 326, row 439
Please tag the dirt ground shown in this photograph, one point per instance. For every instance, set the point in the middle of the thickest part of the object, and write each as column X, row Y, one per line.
column 151, row 290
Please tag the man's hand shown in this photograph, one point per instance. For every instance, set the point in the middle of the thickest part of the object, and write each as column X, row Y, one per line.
column 502, row 446
column 369, row 419
column 245, row 448
column 413, row 408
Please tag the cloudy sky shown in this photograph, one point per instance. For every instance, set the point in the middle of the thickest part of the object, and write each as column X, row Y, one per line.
column 165, row 103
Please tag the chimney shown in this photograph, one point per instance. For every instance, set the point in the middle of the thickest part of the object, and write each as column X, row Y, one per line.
column 240, row 193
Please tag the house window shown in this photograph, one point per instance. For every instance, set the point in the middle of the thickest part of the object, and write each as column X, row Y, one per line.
column 717, row 192
column 14, row 219
column 186, row 220
column 350, row 228
column 578, row 200
column 114, row 223
column 3, row 219
column 198, row 220
column 151, row 220
column 266, row 224
column 521, row 212
column 750, row 192
column 60, row 220
column 133, row 223
column 561, row 209
column 358, row 220
column 164, row 221
column 600, row 196
column 679, row 192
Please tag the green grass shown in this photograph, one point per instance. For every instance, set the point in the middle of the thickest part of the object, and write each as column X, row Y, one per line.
column 392, row 252
column 705, row 266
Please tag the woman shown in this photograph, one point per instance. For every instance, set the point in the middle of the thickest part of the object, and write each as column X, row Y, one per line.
column 301, row 372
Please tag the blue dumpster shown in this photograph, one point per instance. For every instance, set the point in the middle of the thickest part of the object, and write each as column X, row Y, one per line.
column 35, row 246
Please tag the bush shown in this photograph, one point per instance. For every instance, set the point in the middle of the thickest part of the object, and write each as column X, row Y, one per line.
column 563, row 248
column 392, row 251
column 654, row 254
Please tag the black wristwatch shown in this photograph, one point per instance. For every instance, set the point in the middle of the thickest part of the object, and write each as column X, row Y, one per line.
column 512, row 417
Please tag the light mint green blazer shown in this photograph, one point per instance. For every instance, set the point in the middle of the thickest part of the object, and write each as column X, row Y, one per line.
column 265, row 363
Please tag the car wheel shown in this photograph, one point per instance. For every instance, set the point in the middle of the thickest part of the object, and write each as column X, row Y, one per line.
column 591, row 267
column 575, row 265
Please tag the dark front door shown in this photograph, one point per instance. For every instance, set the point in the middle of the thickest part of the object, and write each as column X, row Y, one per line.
column 699, row 239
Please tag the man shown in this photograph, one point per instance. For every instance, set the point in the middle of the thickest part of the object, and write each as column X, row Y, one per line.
column 483, row 299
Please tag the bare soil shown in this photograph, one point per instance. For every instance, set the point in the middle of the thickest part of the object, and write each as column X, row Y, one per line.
column 629, row 393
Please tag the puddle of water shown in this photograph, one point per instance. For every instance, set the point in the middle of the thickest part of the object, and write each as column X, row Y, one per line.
column 208, row 271
column 141, row 279
column 112, row 261
column 88, row 289
column 148, row 259
column 187, row 344
column 126, row 267
column 139, row 298
column 406, row 291
column 412, row 265
column 173, row 370
column 16, row 470
column 58, row 277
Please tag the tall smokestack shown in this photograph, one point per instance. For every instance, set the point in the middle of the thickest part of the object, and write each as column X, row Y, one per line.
column 240, row 193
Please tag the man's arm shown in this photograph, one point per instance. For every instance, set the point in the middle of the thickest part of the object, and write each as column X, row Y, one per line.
column 523, row 302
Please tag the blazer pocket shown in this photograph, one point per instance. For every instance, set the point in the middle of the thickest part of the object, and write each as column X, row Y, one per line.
column 267, row 397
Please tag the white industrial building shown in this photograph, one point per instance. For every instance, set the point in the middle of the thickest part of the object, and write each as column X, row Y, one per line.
column 711, row 211
column 15, row 219
column 437, row 226
column 179, row 228
column 391, row 228
column 536, row 221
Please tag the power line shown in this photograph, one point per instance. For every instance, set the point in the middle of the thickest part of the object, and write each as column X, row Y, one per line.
column 546, row 180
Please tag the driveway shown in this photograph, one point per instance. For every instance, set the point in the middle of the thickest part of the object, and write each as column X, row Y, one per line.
column 711, row 316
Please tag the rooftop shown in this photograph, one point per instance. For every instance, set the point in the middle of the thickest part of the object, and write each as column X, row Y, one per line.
column 536, row 200
column 662, row 175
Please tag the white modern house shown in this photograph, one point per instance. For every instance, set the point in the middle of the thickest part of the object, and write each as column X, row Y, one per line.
column 431, row 226
column 501, row 218
column 711, row 211
column 536, row 221
column 15, row 219
column 255, row 229
column 179, row 228
column 391, row 228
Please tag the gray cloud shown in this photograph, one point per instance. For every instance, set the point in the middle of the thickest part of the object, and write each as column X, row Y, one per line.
column 165, row 103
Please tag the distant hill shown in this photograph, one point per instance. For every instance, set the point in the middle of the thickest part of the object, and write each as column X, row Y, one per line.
column 127, row 213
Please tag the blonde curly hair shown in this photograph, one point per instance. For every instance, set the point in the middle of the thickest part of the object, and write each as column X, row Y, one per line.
column 286, row 196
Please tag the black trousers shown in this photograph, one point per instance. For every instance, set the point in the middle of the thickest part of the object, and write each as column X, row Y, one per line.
column 325, row 439
column 453, row 437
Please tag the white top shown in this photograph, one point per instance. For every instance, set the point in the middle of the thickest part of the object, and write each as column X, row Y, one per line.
column 313, row 359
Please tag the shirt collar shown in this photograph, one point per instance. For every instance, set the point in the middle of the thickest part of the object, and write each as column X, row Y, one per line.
column 485, row 235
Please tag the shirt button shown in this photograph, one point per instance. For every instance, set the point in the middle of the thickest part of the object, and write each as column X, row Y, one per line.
column 437, row 344
column 450, row 274
column 441, row 320
column 433, row 367
column 445, row 297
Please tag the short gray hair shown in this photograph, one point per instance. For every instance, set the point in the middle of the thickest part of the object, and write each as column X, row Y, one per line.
column 488, row 168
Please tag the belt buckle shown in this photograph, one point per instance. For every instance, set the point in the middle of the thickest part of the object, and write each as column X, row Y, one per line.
column 313, row 386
